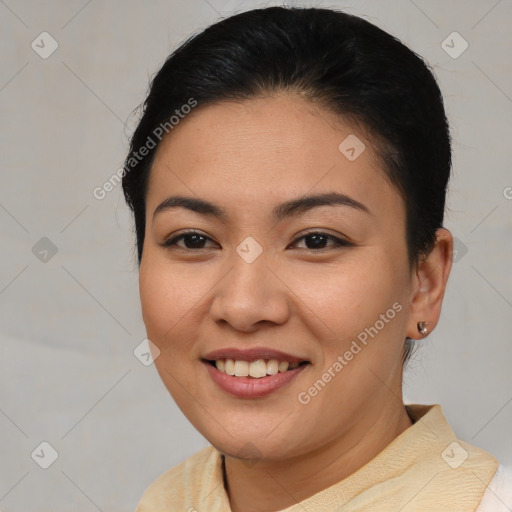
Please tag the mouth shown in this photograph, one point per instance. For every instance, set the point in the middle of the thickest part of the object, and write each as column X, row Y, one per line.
column 256, row 369
column 253, row 379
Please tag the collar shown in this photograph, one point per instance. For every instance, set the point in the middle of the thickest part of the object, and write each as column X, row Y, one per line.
column 425, row 468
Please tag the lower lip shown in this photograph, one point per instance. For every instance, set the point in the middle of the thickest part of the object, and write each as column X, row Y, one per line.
column 249, row 387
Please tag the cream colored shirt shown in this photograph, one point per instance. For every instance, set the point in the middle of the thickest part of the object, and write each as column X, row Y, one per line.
column 425, row 469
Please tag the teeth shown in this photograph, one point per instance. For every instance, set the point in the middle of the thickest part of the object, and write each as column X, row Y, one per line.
column 229, row 367
column 256, row 369
column 272, row 367
column 241, row 368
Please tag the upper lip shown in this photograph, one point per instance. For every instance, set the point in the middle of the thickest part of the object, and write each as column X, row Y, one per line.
column 252, row 354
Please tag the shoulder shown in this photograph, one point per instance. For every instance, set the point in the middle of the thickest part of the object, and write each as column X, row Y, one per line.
column 498, row 495
column 183, row 483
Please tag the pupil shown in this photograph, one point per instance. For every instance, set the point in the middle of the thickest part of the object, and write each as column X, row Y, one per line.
column 317, row 241
column 195, row 242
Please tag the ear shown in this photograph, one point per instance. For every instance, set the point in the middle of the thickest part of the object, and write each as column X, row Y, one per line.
column 429, row 284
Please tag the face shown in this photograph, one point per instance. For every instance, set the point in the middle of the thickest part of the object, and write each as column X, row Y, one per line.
column 326, row 285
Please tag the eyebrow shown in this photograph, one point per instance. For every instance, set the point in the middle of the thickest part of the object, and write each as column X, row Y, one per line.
column 291, row 208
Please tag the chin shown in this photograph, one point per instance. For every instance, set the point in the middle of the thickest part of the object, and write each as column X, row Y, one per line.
column 254, row 445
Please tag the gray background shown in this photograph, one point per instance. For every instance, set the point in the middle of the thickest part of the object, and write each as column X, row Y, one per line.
column 69, row 325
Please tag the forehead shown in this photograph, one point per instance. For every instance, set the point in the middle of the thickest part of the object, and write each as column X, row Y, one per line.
column 262, row 151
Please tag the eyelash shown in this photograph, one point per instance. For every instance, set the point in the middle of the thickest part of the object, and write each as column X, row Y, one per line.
column 338, row 241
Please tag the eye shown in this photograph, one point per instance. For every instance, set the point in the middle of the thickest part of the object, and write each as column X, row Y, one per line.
column 317, row 241
column 192, row 240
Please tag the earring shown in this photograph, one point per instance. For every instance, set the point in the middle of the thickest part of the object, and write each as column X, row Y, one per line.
column 422, row 328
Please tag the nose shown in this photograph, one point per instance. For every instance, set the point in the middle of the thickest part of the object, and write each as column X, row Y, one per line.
column 251, row 294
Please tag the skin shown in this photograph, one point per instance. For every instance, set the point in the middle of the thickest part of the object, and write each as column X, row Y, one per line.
column 247, row 157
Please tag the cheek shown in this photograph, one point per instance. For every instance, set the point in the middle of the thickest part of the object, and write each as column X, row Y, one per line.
column 170, row 309
column 343, row 299
column 166, row 298
column 156, row 301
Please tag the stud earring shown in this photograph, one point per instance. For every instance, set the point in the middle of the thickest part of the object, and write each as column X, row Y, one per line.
column 422, row 328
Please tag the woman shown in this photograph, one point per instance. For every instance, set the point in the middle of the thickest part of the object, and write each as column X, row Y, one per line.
column 288, row 181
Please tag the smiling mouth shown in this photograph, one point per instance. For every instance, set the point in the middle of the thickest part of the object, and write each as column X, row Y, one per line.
column 256, row 369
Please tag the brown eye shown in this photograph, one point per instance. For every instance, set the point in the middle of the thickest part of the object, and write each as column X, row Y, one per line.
column 192, row 240
column 317, row 241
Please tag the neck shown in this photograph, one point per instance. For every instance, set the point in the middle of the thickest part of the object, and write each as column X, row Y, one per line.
column 274, row 485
